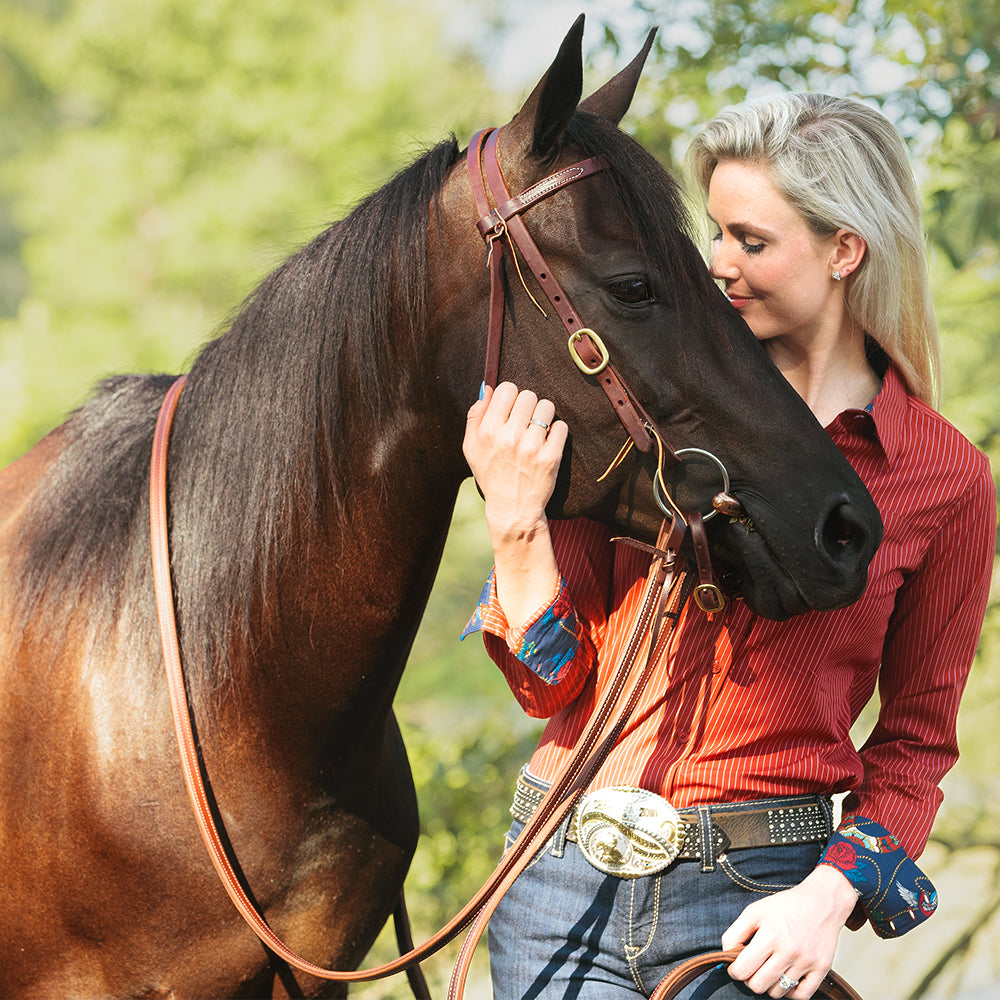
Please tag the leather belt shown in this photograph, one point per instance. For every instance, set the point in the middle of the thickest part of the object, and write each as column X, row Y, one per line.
column 799, row 819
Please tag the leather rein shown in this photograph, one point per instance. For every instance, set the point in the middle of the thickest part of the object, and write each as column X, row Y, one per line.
column 668, row 586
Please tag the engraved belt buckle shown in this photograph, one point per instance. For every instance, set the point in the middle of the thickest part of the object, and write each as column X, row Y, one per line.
column 628, row 832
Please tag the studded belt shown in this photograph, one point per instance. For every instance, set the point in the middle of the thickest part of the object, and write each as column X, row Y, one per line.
column 629, row 832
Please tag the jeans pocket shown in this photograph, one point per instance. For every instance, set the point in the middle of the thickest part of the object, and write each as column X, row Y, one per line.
column 512, row 834
column 770, row 869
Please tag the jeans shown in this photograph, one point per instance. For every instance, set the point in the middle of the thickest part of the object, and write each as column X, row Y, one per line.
column 566, row 930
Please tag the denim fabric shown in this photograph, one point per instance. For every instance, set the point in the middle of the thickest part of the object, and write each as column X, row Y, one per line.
column 566, row 930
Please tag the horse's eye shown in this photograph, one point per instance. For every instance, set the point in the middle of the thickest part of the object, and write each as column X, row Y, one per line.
column 631, row 291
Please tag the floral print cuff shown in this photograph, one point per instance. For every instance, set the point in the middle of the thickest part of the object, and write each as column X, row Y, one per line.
column 548, row 641
column 895, row 893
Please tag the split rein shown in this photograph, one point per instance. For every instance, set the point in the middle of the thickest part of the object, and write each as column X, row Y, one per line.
column 668, row 587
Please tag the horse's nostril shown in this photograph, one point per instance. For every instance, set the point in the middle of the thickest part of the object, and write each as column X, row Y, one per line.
column 842, row 533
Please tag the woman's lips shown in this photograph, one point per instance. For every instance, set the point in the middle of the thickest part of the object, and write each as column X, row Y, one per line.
column 739, row 301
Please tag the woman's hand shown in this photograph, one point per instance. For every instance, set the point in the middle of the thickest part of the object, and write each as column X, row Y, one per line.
column 514, row 445
column 792, row 933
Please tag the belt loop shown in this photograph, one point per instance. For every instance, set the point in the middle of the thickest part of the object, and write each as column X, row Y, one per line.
column 706, row 838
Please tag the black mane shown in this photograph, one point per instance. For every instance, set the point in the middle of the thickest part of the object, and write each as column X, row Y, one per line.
column 258, row 442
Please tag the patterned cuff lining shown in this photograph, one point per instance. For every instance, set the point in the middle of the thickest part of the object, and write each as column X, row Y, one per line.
column 476, row 622
column 894, row 892
column 551, row 640
column 547, row 644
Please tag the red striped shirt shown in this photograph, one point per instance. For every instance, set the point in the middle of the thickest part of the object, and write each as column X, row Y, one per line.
column 746, row 708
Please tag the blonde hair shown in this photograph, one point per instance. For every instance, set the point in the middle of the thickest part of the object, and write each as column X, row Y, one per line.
column 842, row 165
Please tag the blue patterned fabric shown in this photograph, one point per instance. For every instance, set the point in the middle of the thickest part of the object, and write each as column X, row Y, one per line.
column 548, row 643
column 895, row 894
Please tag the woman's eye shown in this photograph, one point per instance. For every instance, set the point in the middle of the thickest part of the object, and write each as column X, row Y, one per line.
column 631, row 291
column 751, row 248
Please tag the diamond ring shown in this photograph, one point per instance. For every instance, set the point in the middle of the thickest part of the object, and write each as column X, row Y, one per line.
column 787, row 984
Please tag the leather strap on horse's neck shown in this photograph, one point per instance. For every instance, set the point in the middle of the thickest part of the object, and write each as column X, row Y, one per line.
column 667, row 589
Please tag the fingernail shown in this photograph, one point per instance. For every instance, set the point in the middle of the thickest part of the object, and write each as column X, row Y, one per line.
column 482, row 389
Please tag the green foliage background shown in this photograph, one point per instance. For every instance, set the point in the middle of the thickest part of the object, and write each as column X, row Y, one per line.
column 158, row 158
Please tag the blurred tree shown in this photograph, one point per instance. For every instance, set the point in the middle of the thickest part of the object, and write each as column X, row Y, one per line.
column 164, row 155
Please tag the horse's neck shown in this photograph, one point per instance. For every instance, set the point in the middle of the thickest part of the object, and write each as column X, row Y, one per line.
column 349, row 612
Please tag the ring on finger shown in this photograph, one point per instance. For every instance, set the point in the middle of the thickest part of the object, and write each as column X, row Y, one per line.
column 786, row 983
column 538, row 423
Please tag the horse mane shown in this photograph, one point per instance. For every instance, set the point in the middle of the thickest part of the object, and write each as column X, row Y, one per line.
column 259, row 445
column 258, row 440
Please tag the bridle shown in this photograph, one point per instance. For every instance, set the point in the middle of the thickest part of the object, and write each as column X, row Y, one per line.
column 503, row 229
column 501, row 226
column 668, row 585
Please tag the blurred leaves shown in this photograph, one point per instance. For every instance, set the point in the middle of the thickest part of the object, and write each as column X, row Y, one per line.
column 163, row 156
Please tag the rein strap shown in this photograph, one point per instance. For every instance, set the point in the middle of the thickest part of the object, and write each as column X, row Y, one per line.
column 667, row 589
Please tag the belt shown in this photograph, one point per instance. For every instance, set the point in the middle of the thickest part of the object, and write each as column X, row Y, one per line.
column 629, row 831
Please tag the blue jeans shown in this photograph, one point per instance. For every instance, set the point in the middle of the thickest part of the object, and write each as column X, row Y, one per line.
column 566, row 930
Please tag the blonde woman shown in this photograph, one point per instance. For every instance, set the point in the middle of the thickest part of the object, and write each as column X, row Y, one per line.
column 819, row 246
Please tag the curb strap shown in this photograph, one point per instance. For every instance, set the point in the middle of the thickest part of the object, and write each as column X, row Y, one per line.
column 707, row 594
column 502, row 225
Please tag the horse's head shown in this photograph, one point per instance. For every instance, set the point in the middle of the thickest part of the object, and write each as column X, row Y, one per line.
column 617, row 244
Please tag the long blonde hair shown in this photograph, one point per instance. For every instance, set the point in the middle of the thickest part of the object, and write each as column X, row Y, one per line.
column 842, row 165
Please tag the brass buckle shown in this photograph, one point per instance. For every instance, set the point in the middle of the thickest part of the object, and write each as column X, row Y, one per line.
column 709, row 598
column 598, row 343
column 627, row 831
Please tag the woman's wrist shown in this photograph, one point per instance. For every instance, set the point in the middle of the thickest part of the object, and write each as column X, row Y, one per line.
column 526, row 574
column 837, row 888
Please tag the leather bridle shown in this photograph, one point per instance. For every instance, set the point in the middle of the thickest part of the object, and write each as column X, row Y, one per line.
column 503, row 229
column 668, row 585
column 501, row 226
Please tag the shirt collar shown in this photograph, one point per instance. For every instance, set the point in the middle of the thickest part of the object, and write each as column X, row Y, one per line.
column 884, row 422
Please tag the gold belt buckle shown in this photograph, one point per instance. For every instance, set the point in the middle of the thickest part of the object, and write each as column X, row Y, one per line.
column 627, row 831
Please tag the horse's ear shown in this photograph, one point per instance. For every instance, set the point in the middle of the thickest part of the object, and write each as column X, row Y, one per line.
column 613, row 99
column 541, row 122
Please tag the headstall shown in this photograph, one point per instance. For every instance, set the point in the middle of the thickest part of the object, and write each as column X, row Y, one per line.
column 501, row 226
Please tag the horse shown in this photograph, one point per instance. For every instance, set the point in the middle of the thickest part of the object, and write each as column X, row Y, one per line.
column 315, row 460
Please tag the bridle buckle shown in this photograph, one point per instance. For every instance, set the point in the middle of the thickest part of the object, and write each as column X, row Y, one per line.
column 709, row 597
column 595, row 369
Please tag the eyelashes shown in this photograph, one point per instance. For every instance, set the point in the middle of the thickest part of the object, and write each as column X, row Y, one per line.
column 748, row 248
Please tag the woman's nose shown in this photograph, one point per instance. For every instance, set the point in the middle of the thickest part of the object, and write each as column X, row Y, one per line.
column 723, row 262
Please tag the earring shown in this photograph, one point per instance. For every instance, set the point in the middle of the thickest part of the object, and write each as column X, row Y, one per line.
column 836, row 275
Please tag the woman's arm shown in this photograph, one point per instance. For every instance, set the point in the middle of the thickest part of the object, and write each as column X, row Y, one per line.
column 928, row 651
column 544, row 600
column 514, row 445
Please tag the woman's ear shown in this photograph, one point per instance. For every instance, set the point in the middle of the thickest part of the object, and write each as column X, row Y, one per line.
column 849, row 251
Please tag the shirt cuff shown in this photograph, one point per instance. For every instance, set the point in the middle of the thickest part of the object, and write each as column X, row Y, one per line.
column 545, row 644
column 895, row 894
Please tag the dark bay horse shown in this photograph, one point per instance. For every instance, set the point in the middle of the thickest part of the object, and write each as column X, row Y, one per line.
column 315, row 459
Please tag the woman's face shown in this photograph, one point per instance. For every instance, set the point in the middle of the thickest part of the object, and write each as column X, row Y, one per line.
column 776, row 271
